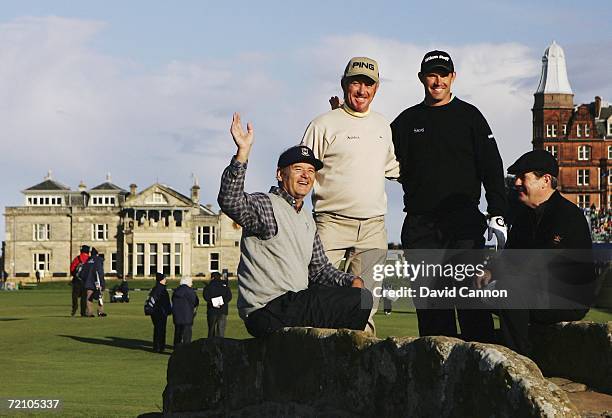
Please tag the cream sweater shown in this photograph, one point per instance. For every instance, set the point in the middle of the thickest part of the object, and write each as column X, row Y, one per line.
column 357, row 153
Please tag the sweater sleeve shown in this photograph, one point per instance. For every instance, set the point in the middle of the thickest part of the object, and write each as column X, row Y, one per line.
column 314, row 138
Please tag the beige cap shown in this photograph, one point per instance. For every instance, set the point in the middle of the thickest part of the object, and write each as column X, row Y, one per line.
column 362, row 66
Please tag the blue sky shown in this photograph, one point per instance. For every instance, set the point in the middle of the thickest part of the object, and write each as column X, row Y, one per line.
column 145, row 90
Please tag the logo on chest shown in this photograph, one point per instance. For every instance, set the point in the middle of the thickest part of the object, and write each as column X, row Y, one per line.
column 419, row 130
column 556, row 239
column 352, row 137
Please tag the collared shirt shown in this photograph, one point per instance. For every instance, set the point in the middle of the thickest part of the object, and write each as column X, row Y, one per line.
column 253, row 211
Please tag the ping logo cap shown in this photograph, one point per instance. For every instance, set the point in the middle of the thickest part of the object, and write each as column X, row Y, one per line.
column 362, row 66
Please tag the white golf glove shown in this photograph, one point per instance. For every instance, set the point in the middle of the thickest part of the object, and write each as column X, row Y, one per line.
column 497, row 227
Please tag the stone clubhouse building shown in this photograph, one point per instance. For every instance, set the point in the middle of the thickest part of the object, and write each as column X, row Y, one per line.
column 140, row 233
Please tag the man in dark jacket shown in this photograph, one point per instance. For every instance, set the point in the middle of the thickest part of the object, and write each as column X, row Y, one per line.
column 161, row 310
column 556, row 277
column 93, row 272
column 217, row 296
column 184, row 305
column 76, row 266
column 446, row 152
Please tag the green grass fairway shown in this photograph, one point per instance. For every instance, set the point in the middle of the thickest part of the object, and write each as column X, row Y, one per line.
column 103, row 366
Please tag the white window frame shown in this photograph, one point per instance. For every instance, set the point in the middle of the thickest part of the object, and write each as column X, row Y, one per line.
column 214, row 258
column 96, row 229
column 583, row 177
column 157, row 197
column 44, row 200
column 578, row 131
column 609, row 152
column 583, row 201
column 178, row 258
column 549, row 130
column 564, row 128
column 140, row 255
column 103, row 200
column 206, row 236
column 166, row 255
column 609, row 128
column 37, row 262
column 584, row 152
column 153, row 251
column 113, row 263
column 41, row 232
column 553, row 149
column 587, row 130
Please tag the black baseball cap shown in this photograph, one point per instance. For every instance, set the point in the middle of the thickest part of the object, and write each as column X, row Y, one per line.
column 84, row 248
column 437, row 59
column 536, row 160
column 159, row 276
column 299, row 154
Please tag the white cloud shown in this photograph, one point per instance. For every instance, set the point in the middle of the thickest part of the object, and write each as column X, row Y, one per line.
column 82, row 113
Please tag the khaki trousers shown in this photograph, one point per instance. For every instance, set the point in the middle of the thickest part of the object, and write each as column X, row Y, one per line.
column 356, row 245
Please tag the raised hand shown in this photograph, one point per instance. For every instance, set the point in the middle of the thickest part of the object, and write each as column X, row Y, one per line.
column 335, row 102
column 243, row 140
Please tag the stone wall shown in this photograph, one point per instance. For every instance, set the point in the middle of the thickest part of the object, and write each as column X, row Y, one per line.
column 315, row 372
column 580, row 351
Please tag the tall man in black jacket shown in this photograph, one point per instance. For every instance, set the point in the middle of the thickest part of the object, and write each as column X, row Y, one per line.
column 161, row 310
column 184, row 304
column 217, row 296
column 446, row 151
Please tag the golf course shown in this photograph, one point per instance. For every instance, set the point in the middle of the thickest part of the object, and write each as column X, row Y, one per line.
column 104, row 367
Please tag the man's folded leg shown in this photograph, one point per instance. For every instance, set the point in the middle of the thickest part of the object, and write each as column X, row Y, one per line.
column 318, row 306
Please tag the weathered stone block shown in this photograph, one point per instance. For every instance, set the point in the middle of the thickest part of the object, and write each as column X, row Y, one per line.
column 314, row 372
column 580, row 351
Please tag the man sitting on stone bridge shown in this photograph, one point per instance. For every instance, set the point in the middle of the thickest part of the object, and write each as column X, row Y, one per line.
column 284, row 277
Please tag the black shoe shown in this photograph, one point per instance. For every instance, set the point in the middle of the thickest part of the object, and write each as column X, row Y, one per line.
column 102, row 314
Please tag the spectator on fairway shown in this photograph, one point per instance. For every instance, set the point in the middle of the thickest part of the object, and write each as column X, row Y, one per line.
column 185, row 302
column 161, row 310
column 217, row 296
column 356, row 148
column 284, row 277
column 37, row 274
column 76, row 268
column 94, row 284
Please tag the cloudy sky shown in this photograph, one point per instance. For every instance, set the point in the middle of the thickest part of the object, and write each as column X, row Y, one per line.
column 145, row 90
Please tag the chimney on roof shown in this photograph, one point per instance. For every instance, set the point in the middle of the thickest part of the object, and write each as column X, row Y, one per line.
column 49, row 175
column 82, row 186
column 195, row 194
column 195, row 190
column 597, row 106
column 133, row 189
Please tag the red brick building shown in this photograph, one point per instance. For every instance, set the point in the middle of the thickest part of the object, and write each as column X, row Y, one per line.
column 579, row 136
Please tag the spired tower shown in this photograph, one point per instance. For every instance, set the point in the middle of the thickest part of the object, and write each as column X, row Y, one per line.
column 553, row 100
column 575, row 134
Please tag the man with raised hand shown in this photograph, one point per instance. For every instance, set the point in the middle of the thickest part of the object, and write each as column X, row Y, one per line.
column 349, row 200
column 284, row 277
column 446, row 151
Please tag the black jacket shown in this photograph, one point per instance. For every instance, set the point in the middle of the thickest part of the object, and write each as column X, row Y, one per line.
column 162, row 300
column 556, row 224
column 214, row 289
column 184, row 302
column 445, row 154
column 559, row 254
column 93, row 270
